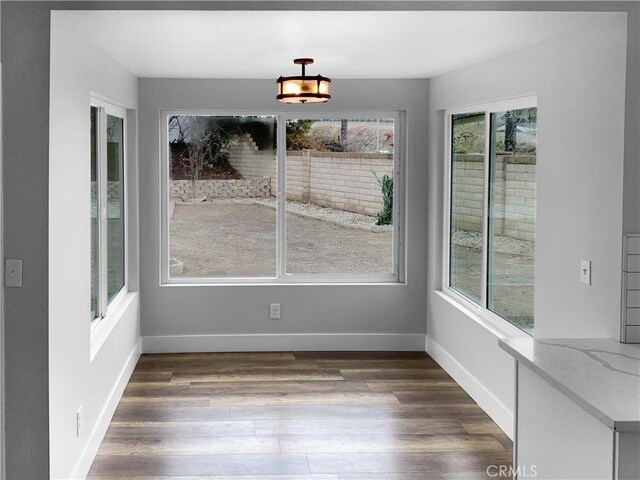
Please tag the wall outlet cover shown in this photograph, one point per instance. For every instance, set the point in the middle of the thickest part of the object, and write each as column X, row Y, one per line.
column 13, row 273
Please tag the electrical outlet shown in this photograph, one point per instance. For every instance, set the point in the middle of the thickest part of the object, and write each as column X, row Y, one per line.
column 274, row 311
column 79, row 422
column 13, row 273
column 585, row 271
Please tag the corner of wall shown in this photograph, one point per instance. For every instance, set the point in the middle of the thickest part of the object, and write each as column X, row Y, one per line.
column 96, row 436
column 482, row 395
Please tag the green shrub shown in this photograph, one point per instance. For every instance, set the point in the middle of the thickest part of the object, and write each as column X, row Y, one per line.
column 303, row 141
column 385, row 216
column 299, row 126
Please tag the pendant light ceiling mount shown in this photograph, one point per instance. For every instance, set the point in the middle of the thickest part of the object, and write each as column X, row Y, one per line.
column 303, row 88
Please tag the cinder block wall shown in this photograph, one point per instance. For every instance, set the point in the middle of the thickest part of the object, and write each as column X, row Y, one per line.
column 515, row 191
column 342, row 180
column 346, row 180
column 299, row 176
column 251, row 163
column 182, row 189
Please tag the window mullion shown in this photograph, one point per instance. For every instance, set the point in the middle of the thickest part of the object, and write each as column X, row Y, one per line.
column 101, row 172
column 281, row 214
column 486, row 209
column 448, row 176
column 398, row 204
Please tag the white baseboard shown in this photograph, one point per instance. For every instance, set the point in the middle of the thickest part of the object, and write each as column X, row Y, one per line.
column 482, row 396
column 97, row 434
column 284, row 342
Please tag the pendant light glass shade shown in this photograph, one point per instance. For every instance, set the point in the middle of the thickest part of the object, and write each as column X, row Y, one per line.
column 303, row 88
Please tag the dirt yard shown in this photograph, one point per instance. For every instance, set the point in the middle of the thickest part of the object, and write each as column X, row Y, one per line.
column 512, row 283
column 239, row 240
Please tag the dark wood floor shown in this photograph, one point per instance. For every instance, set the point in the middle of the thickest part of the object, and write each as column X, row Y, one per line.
column 298, row 416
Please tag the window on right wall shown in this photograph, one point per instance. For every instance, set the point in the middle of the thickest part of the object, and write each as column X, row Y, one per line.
column 491, row 209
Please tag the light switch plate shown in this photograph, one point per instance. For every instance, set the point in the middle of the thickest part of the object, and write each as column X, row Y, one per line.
column 13, row 273
column 585, row 271
column 79, row 422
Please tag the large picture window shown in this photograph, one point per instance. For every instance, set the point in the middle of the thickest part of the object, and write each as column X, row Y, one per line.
column 108, row 242
column 272, row 198
column 491, row 202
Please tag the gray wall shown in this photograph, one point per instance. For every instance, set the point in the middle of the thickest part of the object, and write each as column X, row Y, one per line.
column 204, row 310
column 25, row 55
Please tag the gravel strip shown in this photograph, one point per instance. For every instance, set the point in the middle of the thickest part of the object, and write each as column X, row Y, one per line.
column 343, row 218
column 327, row 214
column 505, row 245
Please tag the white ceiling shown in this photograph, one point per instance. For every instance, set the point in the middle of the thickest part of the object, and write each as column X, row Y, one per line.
column 262, row 44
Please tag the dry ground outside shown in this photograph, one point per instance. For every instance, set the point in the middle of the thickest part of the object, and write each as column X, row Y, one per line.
column 236, row 240
column 511, row 283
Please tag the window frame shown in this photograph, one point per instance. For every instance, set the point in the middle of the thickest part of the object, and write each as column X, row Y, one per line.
column 106, row 307
column 481, row 311
column 281, row 277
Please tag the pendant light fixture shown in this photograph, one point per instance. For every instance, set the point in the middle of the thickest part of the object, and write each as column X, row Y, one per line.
column 303, row 88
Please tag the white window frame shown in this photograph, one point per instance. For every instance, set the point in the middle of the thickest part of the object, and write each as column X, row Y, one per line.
column 480, row 311
column 281, row 277
column 106, row 307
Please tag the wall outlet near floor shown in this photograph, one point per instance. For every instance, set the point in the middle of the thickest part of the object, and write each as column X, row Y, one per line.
column 274, row 311
column 585, row 271
column 79, row 422
column 13, row 273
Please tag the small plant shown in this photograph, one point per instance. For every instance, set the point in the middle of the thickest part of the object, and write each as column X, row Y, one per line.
column 465, row 141
column 385, row 216
column 389, row 137
column 334, row 145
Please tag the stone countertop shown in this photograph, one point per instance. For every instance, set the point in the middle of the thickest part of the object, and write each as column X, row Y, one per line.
column 600, row 375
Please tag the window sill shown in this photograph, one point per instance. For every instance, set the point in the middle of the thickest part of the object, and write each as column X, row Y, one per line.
column 289, row 280
column 497, row 326
column 101, row 332
column 284, row 284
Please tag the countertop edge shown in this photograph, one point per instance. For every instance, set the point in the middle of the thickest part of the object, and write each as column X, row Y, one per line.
column 616, row 425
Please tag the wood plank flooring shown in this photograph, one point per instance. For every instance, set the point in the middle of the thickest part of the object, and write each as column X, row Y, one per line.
column 297, row 416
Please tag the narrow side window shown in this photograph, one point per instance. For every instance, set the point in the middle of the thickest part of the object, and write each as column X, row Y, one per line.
column 467, row 204
column 107, row 209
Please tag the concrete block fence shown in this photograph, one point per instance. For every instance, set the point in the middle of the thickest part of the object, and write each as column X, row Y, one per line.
column 341, row 180
column 181, row 189
column 515, row 194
